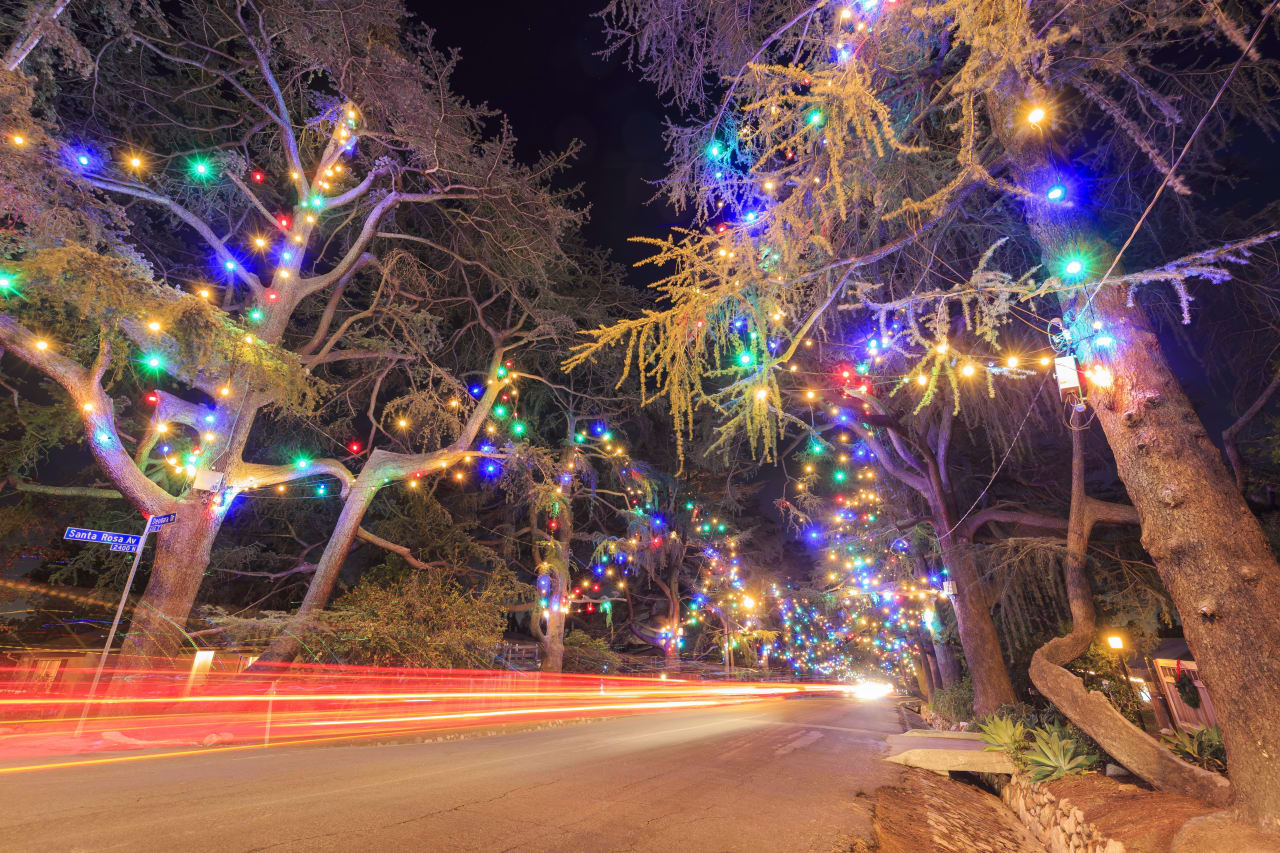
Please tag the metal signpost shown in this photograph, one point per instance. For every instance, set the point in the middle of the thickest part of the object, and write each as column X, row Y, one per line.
column 118, row 542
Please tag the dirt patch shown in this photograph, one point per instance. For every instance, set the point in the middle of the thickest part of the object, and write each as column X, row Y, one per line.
column 928, row 813
column 1143, row 821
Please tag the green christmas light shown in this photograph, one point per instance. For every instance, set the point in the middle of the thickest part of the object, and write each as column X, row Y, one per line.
column 815, row 117
column 517, row 428
column 256, row 315
column 154, row 362
column 302, row 463
column 746, row 359
column 201, row 168
column 499, row 411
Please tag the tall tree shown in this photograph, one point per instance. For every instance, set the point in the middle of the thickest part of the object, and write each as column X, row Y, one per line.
column 287, row 152
column 876, row 150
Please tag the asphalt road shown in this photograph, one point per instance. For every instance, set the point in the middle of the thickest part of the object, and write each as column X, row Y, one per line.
column 782, row 774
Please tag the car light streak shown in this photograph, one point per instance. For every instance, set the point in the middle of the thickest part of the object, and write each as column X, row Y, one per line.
column 177, row 712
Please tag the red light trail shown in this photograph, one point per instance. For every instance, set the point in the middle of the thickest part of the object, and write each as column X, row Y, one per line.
column 172, row 713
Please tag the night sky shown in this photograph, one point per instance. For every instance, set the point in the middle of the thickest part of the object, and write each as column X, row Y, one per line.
column 536, row 62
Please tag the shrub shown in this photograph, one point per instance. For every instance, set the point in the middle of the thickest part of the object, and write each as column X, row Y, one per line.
column 1054, row 755
column 585, row 653
column 1030, row 716
column 1004, row 734
column 1099, row 668
column 955, row 703
column 1203, row 748
column 424, row 619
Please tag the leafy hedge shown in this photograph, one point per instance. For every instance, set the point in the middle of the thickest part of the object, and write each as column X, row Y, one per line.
column 954, row 703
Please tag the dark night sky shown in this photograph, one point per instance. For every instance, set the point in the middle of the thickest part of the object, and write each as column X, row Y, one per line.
column 536, row 62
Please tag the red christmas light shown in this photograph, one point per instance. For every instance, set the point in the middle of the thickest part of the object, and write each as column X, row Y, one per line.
column 354, row 447
column 283, row 221
column 258, row 177
column 153, row 398
column 272, row 296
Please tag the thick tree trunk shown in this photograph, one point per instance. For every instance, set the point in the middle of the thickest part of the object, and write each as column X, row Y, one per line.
column 991, row 684
column 551, row 637
column 924, row 647
column 1097, row 717
column 1207, row 546
column 948, row 665
column 920, row 671
column 935, row 678
column 288, row 642
column 157, row 628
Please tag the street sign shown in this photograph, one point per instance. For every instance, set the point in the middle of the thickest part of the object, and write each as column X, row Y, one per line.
column 158, row 521
column 79, row 534
column 128, row 548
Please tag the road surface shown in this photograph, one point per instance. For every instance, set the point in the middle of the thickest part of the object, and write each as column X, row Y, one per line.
column 780, row 774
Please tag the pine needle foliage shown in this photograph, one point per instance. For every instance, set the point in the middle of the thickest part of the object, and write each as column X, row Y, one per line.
column 858, row 155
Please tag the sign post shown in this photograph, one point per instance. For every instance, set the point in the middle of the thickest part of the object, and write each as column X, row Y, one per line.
column 118, row 542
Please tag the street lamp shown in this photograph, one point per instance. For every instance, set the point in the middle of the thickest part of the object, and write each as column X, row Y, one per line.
column 1116, row 642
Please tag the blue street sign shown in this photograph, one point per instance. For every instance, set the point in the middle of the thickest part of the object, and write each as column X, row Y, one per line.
column 79, row 534
column 158, row 521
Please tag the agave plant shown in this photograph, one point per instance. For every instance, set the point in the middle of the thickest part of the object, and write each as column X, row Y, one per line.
column 1202, row 747
column 1053, row 756
column 1004, row 734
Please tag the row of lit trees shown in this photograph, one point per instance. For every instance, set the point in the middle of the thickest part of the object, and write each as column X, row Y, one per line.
column 868, row 157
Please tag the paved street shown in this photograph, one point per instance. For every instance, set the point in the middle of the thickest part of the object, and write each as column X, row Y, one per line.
column 783, row 774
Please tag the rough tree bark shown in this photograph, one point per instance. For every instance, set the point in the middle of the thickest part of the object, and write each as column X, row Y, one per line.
column 992, row 686
column 551, row 638
column 1090, row 710
column 1207, row 546
column 157, row 625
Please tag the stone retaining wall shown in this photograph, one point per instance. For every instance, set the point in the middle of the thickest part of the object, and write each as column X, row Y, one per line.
column 1058, row 825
